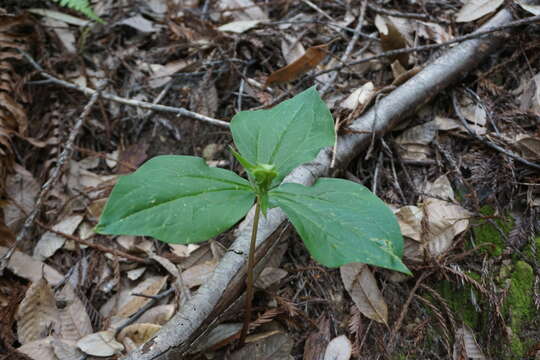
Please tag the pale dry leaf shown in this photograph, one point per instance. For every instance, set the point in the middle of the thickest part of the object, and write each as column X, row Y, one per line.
column 139, row 333
column 339, row 348
column 410, row 221
column 74, row 320
column 31, row 269
column 447, row 124
column 162, row 74
column 64, row 33
column 219, row 334
column 472, row 111
column 360, row 96
column 50, row 242
column 364, row 291
column 318, row 340
column 466, row 345
column 41, row 349
column 445, row 221
column 529, row 146
column 37, row 314
column 394, row 35
column 197, row 274
column 135, row 273
column 440, row 188
column 139, row 23
column 422, row 134
column 171, row 269
column 291, row 48
column 240, row 26
column 412, row 250
column 530, row 98
column 434, row 32
column 100, row 344
column 475, row 9
column 276, row 347
column 158, row 314
column 67, row 350
column 63, row 17
column 533, row 9
column 21, row 190
column 137, row 302
column 243, row 10
column 125, row 295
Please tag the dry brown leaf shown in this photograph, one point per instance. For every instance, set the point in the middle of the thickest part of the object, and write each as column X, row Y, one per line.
column 50, row 242
column 392, row 38
column 67, row 350
column 37, row 314
column 21, row 190
column 340, row 348
column 158, row 314
column 363, row 289
column 197, row 274
column 30, row 269
column 219, row 336
column 359, row 97
column 131, row 157
column 270, row 276
column 276, row 347
column 41, row 349
column 317, row 341
column 410, row 221
column 311, row 58
column 529, row 146
column 475, row 9
column 414, row 141
column 74, row 320
column 139, row 333
column 138, row 301
column 100, row 344
column 466, row 346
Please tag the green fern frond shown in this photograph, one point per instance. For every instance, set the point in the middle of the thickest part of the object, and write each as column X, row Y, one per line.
column 82, row 6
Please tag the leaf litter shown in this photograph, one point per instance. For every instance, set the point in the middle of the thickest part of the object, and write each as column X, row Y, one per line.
column 216, row 60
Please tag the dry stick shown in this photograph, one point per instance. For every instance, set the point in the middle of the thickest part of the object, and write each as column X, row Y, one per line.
column 486, row 142
column 349, row 48
column 131, row 102
column 64, row 157
column 93, row 245
column 405, row 15
column 175, row 338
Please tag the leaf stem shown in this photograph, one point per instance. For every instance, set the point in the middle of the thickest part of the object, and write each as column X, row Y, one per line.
column 250, row 277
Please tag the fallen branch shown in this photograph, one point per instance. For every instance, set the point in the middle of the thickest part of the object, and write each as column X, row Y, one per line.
column 121, row 100
column 174, row 340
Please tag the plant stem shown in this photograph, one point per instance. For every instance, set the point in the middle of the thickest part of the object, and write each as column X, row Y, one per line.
column 250, row 280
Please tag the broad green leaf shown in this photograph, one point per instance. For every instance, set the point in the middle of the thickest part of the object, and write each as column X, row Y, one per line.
column 287, row 135
column 342, row 222
column 176, row 199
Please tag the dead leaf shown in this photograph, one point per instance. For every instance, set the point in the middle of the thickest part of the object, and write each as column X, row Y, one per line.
column 139, row 23
column 162, row 74
column 219, row 336
column 139, row 333
column 359, row 97
column 340, row 348
column 364, row 291
column 30, row 269
column 276, row 347
column 533, row 9
column 270, row 276
column 74, row 322
column 243, row 10
column 135, row 273
column 131, row 157
column 410, row 221
column 37, row 314
column 100, row 344
column 197, row 274
column 137, row 302
column 530, row 98
column 240, row 26
column 41, row 349
column 466, row 346
column 316, row 342
column 158, row 314
column 392, row 38
column 50, row 242
column 311, row 58
column 22, row 190
column 529, row 146
column 475, row 9
column 414, row 141
column 67, row 350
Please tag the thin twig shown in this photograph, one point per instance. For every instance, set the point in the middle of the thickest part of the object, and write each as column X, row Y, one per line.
column 405, row 15
column 131, row 102
column 486, row 142
column 63, row 158
column 349, row 48
column 99, row 247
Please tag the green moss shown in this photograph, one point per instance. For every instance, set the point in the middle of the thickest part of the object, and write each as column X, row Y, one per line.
column 458, row 300
column 519, row 306
column 487, row 233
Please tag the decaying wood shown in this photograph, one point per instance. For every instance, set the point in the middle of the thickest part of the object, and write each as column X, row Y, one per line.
column 224, row 287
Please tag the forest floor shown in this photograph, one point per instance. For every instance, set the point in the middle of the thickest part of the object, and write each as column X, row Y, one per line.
column 462, row 174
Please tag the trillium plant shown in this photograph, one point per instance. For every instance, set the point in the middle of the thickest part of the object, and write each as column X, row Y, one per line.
column 181, row 200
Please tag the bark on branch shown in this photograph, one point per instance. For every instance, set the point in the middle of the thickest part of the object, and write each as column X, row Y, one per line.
column 226, row 284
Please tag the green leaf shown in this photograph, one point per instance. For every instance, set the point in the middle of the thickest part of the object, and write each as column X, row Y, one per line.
column 287, row 135
column 82, row 6
column 342, row 222
column 176, row 199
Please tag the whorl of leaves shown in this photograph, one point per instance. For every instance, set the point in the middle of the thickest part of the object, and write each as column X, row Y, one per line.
column 82, row 6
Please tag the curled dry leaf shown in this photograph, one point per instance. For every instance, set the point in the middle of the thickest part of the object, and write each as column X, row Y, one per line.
column 30, row 269
column 37, row 314
column 100, row 344
column 311, row 58
column 139, row 333
column 41, row 349
column 359, row 97
column 364, row 291
column 410, row 221
column 74, row 320
column 340, row 348
column 475, row 9
column 50, row 242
